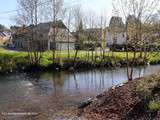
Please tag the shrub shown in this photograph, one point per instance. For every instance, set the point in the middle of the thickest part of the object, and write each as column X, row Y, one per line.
column 154, row 105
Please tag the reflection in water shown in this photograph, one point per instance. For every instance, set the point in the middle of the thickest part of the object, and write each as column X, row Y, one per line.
column 76, row 84
column 59, row 84
column 92, row 82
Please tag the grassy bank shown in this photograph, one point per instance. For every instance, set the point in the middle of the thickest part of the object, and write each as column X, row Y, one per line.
column 9, row 58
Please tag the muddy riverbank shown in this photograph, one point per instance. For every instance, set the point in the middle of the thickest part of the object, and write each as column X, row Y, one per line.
column 134, row 100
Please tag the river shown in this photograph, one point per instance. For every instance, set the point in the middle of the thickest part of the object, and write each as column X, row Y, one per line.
column 56, row 95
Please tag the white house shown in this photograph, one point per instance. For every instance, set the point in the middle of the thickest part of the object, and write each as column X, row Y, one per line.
column 4, row 37
column 45, row 39
column 63, row 38
column 115, row 33
column 117, row 39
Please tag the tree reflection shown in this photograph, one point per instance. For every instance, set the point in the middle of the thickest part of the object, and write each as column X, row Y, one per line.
column 75, row 81
column 101, row 83
column 112, row 77
column 54, row 85
column 141, row 71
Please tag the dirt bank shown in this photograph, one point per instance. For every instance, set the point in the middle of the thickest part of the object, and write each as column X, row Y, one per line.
column 125, row 102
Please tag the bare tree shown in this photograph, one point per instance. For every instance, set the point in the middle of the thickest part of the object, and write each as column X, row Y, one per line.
column 56, row 14
column 69, row 20
column 136, row 13
column 91, row 35
column 26, row 15
column 78, row 23
column 29, row 16
column 103, row 36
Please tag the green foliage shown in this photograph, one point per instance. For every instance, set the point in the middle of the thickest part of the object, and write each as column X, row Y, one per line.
column 9, row 58
column 154, row 57
column 148, row 83
column 154, row 105
column 148, row 88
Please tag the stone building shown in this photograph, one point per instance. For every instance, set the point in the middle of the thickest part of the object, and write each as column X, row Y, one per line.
column 4, row 37
column 116, row 34
column 60, row 37
column 41, row 37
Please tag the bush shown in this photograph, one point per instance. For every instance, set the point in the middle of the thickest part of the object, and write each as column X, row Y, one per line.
column 154, row 105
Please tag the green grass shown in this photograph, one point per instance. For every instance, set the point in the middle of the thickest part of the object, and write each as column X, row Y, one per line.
column 16, row 56
column 145, row 88
column 154, row 105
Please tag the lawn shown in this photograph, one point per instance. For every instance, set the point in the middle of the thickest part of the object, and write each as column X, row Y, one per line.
column 10, row 57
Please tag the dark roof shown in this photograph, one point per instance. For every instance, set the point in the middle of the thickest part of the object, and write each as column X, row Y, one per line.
column 132, row 19
column 59, row 24
column 41, row 27
column 2, row 34
column 116, row 22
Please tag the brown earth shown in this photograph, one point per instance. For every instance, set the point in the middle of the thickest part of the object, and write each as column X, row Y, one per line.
column 116, row 103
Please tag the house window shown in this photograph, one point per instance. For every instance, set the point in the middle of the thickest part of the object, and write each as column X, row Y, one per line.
column 41, row 35
column 57, row 46
column 52, row 45
column 21, row 45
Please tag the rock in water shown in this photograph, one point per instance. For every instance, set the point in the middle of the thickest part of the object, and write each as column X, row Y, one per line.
column 99, row 96
column 85, row 103
column 71, row 69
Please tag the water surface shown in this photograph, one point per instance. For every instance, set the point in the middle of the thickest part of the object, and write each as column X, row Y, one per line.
column 56, row 95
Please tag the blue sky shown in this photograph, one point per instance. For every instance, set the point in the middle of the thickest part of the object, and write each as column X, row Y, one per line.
column 7, row 5
column 98, row 6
